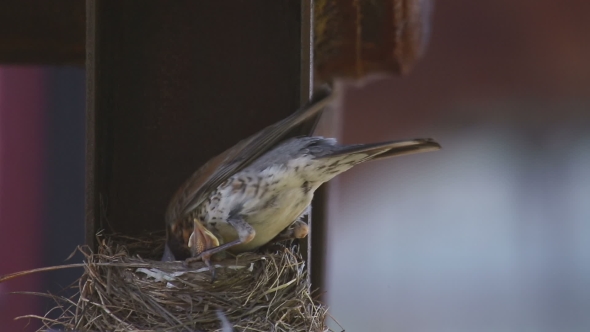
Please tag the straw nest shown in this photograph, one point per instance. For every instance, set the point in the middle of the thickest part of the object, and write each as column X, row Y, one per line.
column 125, row 288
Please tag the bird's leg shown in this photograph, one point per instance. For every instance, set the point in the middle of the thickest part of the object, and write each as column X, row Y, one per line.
column 200, row 240
column 245, row 234
column 298, row 230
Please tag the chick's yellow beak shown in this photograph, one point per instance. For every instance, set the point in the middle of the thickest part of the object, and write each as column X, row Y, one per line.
column 201, row 239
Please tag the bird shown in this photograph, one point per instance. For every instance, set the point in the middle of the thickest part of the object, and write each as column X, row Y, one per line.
column 260, row 190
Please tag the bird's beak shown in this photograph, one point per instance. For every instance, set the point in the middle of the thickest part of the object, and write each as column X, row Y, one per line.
column 201, row 239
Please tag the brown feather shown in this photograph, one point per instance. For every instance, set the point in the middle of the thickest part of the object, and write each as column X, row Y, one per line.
column 207, row 178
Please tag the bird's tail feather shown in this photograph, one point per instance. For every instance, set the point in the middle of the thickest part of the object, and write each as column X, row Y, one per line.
column 388, row 149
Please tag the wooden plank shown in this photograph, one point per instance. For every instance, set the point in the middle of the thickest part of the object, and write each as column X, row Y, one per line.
column 42, row 32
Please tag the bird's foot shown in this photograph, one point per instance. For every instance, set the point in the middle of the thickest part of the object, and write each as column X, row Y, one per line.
column 298, row 230
column 206, row 258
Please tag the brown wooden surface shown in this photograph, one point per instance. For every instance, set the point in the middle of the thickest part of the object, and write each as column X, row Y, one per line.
column 172, row 84
column 42, row 32
column 355, row 38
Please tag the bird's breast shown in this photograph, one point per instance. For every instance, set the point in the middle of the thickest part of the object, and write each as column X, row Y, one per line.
column 269, row 201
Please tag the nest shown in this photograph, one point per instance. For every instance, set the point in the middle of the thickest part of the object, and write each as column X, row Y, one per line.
column 125, row 288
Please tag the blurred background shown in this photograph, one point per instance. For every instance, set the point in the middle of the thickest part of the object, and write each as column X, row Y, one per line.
column 491, row 233
column 42, row 121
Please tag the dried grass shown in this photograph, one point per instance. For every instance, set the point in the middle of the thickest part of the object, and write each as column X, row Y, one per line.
column 125, row 288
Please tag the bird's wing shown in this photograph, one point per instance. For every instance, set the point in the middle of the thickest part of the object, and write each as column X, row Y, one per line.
column 207, row 178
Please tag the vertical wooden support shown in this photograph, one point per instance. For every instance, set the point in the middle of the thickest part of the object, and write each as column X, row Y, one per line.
column 172, row 84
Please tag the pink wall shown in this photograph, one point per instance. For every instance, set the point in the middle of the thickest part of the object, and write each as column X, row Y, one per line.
column 22, row 99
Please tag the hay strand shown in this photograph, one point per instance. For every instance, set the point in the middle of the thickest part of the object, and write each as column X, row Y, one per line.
column 124, row 288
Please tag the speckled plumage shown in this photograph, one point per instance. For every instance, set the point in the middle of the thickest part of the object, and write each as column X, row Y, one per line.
column 274, row 191
column 258, row 200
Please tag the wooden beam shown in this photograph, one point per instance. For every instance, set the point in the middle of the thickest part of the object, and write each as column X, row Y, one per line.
column 42, row 32
column 170, row 85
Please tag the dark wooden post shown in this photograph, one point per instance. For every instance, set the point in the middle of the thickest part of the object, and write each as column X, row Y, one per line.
column 172, row 84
